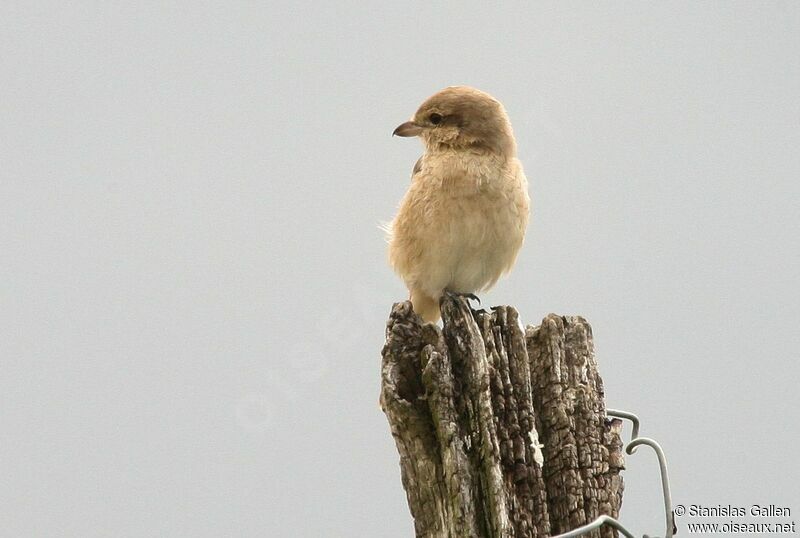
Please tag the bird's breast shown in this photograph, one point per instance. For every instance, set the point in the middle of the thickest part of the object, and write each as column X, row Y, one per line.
column 462, row 174
column 461, row 223
column 473, row 212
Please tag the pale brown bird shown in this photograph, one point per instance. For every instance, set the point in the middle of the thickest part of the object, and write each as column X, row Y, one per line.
column 462, row 222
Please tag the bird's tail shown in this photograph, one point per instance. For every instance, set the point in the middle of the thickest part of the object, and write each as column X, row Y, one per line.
column 425, row 305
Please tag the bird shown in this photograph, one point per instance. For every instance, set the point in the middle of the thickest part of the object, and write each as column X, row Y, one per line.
column 462, row 221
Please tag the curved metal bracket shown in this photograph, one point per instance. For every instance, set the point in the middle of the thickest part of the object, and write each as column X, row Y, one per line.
column 596, row 524
column 635, row 441
column 630, row 448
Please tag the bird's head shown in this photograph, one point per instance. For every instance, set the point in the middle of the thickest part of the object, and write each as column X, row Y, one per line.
column 460, row 117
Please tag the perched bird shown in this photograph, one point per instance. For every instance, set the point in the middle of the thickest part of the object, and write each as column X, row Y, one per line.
column 462, row 222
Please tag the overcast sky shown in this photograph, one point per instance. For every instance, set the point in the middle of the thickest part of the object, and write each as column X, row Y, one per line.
column 194, row 286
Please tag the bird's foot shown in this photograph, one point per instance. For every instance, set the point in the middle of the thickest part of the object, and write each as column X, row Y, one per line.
column 470, row 296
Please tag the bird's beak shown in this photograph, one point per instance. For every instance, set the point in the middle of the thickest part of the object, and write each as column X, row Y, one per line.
column 408, row 128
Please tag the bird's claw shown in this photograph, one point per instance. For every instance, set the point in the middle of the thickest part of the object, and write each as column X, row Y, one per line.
column 470, row 296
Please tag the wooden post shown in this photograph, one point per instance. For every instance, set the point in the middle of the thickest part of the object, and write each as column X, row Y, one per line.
column 501, row 430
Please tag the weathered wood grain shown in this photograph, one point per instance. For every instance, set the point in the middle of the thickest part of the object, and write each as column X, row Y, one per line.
column 501, row 430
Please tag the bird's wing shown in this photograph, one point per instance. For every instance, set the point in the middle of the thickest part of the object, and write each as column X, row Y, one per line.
column 417, row 168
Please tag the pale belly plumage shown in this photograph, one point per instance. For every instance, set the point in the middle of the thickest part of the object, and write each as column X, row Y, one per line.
column 475, row 242
column 460, row 226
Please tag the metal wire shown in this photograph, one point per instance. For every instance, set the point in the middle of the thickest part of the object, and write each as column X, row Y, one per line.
column 630, row 448
column 628, row 416
column 596, row 524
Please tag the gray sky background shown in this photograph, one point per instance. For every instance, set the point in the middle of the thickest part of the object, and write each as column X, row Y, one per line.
column 190, row 193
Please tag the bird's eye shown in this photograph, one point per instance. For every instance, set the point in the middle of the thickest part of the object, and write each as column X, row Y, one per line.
column 435, row 118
